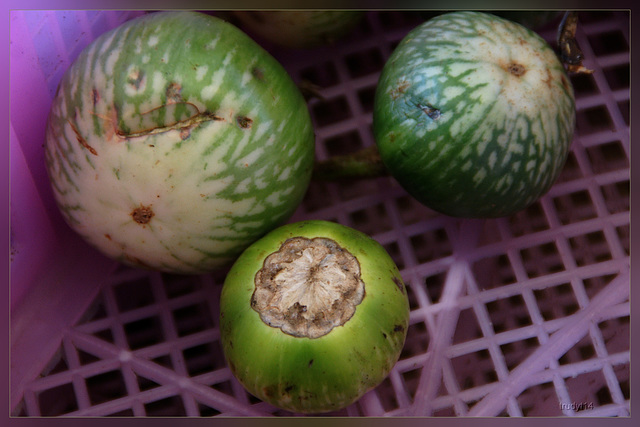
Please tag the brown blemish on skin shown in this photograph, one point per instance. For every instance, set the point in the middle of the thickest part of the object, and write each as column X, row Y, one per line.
column 431, row 112
column 244, row 122
column 516, row 69
column 257, row 73
column 195, row 120
column 565, row 83
column 270, row 391
column 81, row 139
column 398, row 283
column 137, row 261
column 173, row 92
column 95, row 97
column 142, row 215
column 400, row 89
column 136, row 79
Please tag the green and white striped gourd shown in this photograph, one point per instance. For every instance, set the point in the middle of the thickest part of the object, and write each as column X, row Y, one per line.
column 474, row 115
column 175, row 141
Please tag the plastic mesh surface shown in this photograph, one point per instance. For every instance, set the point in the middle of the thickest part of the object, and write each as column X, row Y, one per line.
column 520, row 316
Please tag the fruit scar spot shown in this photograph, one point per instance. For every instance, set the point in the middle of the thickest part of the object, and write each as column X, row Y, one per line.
column 516, row 69
column 181, row 125
column 244, row 122
column 430, row 111
column 308, row 287
column 400, row 89
column 257, row 73
column 81, row 139
column 142, row 215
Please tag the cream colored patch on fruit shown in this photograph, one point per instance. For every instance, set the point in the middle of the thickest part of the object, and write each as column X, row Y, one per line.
column 503, row 140
column 159, row 82
column 298, row 163
column 257, row 209
column 153, row 41
column 217, row 79
column 451, row 92
column 112, row 58
column 285, row 174
column 261, row 184
column 480, row 175
column 208, row 92
column 274, row 198
column 201, row 71
column 288, row 190
column 530, row 165
column 247, row 76
column 251, row 158
column 138, row 45
column 262, row 127
column 243, row 186
column 212, row 44
column 484, row 142
column 516, row 147
column 493, row 158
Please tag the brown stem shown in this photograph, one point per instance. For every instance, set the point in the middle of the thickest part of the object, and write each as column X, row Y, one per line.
column 570, row 53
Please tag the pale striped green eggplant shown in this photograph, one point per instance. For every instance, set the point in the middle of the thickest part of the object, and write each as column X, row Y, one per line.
column 474, row 115
column 174, row 141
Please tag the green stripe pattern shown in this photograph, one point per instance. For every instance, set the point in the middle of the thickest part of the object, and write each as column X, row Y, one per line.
column 474, row 115
column 184, row 115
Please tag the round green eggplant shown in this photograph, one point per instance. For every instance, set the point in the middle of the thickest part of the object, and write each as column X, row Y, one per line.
column 474, row 115
column 312, row 316
column 301, row 29
column 175, row 141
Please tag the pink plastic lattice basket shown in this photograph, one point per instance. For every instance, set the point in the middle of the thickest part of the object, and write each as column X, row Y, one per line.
column 521, row 316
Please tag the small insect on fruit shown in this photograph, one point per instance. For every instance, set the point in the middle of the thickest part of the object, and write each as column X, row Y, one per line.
column 474, row 115
column 313, row 316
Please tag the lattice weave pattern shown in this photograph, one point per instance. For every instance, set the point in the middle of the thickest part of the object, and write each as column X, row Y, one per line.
column 520, row 316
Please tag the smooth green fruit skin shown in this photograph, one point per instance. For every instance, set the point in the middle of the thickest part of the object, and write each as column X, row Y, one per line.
column 302, row 29
column 324, row 374
column 182, row 114
column 474, row 115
